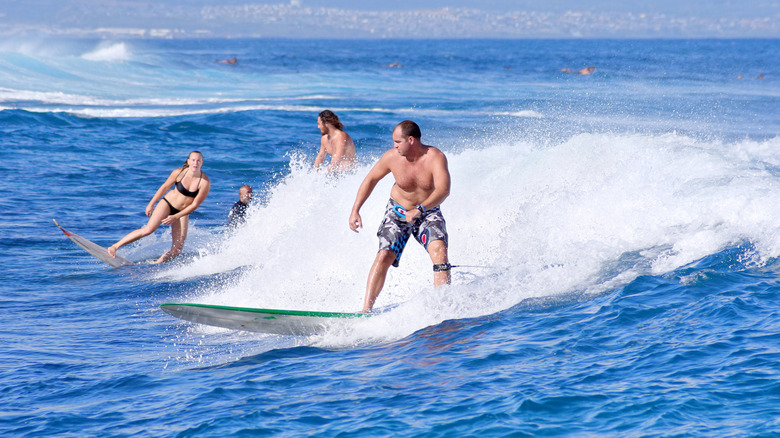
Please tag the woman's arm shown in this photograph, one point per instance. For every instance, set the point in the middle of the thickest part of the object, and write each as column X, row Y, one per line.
column 162, row 190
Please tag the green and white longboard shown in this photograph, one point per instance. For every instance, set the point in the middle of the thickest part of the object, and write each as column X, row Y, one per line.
column 94, row 249
column 272, row 321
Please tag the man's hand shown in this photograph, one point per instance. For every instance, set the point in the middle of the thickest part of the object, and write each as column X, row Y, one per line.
column 355, row 221
column 412, row 215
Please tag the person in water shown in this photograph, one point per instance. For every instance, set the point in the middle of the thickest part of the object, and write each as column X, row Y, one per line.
column 422, row 183
column 336, row 143
column 192, row 187
column 237, row 214
column 583, row 71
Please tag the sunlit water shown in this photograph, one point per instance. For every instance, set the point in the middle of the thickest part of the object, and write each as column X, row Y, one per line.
column 617, row 235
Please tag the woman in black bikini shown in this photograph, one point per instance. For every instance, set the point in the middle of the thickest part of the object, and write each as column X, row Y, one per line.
column 192, row 187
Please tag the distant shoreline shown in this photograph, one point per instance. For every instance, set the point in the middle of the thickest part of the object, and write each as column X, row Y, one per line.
column 134, row 36
column 257, row 20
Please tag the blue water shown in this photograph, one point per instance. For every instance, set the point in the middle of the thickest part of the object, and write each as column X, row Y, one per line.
column 621, row 233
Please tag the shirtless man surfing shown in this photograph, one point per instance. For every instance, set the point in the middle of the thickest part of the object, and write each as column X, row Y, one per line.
column 422, row 183
column 334, row 142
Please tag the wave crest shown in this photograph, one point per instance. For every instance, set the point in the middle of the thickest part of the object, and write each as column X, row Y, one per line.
column 586, row 215
column 109, row 52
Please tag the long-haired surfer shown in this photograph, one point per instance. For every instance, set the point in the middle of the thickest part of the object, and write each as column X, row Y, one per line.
column 336, row 143
column 192, row 187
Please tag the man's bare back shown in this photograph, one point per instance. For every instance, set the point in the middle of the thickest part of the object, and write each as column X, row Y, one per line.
column 336, row 143
column 339, row 145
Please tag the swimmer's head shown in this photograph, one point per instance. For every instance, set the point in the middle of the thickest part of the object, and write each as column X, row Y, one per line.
column 329, row 116
column 245, row 194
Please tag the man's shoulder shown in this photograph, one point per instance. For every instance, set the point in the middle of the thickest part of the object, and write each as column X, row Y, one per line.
column 435, row 153
column 433, row 149
column 389, row 154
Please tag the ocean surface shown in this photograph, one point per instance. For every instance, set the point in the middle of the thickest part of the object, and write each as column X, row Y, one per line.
column 618, row 236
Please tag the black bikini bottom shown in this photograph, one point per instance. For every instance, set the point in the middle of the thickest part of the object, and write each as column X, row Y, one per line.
column 173, row 210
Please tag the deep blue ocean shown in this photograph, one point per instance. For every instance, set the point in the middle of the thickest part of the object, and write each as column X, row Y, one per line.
column 620, row 234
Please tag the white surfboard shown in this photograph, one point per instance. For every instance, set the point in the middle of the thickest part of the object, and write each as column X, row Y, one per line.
column 94, row 249
column 273, row 321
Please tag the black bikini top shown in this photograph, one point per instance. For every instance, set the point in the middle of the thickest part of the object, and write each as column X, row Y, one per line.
column 183, row 190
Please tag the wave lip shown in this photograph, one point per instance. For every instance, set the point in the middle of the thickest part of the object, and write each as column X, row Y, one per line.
column 108, row 52
column 522, row 113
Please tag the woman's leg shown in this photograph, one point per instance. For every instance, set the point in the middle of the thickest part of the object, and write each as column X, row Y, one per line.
column 178, row 236
column 161, row 211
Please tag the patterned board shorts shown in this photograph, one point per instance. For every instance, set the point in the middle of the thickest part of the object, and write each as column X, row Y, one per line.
column 394, row 231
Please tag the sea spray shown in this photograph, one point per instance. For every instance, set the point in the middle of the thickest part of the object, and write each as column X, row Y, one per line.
column 583, row 216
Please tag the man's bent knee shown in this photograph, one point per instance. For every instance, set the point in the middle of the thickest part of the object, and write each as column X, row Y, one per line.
column 385, row 257
column 438, row 251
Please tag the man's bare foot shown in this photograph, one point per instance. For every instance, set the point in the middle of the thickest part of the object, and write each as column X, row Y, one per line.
column 111, row 251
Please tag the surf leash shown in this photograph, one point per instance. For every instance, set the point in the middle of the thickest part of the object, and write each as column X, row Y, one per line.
column 446, row 267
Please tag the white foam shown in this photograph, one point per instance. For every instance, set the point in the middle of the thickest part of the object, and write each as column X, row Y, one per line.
column 582, row 216
column 169, row 104
column 100, row 107
column 108, row 52
column 524, row 113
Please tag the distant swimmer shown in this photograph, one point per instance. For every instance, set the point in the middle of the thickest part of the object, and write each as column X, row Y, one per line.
column 583, row 71
column 237, row 214
column 231, row 61
column 192, row 187
column 761, row 76
column 336, row 143
column 394, row 65
column 422, row 183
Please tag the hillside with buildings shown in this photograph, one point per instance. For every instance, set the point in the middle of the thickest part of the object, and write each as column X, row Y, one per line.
column 231, row 19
